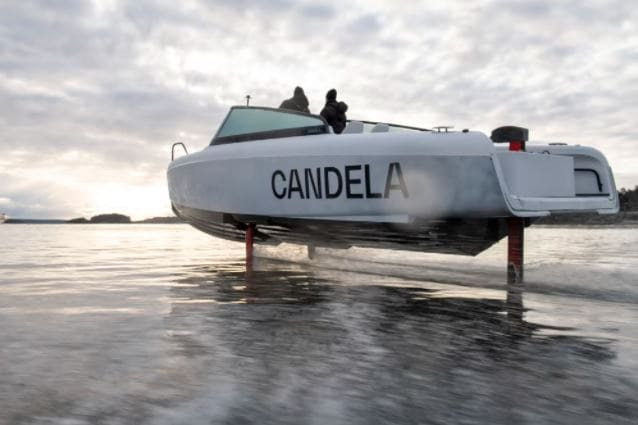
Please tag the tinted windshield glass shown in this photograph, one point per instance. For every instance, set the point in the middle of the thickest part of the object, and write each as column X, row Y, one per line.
column 248, row 120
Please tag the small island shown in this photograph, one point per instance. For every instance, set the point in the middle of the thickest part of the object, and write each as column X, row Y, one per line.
column 115, row 218
column 104, row 218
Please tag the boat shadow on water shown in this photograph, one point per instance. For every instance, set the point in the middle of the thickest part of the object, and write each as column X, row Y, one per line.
column 283, row 329
column 280, row 286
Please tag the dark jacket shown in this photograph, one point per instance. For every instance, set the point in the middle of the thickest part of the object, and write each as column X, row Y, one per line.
column 299, row 102
column 335, row 114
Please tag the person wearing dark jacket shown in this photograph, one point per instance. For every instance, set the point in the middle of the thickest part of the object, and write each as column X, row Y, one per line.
column 334, row 112
column 298, row 102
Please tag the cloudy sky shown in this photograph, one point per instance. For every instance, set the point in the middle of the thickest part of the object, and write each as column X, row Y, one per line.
column 93, row 93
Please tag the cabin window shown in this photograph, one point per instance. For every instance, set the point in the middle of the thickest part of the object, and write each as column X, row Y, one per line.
column 249, row 123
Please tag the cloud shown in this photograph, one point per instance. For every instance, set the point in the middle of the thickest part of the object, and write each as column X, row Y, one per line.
column 317, row 11
column 364, row 25
column 93, row 93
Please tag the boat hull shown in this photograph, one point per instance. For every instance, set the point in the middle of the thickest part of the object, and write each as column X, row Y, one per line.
column 348, row 177
column 445, row 236
column 435, row 192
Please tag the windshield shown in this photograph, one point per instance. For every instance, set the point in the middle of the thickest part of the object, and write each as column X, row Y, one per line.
column 251, row 123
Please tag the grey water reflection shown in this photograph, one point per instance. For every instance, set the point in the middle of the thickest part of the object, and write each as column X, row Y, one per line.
column 284, row 345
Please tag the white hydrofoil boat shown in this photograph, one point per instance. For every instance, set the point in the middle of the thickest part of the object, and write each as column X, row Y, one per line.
column 291, row 178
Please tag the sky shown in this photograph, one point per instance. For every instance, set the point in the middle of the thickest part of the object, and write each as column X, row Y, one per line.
column 93, row 93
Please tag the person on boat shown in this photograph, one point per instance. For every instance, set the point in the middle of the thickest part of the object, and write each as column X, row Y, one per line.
column 334, row 112
column 298, row 102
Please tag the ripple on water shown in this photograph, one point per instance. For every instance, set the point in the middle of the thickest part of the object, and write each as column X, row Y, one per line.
column 179, row 332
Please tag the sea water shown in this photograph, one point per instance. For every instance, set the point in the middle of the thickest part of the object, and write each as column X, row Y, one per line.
column 161, row 324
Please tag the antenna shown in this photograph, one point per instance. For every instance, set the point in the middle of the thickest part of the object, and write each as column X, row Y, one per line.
column 247, row 100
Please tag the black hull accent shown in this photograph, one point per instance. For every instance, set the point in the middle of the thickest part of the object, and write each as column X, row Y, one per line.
column 449, row 236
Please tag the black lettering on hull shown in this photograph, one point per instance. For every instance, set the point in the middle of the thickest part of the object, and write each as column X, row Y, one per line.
column 391, row 186
column 310, row 181
column 369, row 193
column 326, row 176
column 329, row 183
column 294, row 185
column 350, row 181
column 278, row 195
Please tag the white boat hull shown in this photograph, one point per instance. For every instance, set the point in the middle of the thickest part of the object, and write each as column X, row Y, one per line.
column 419, row 190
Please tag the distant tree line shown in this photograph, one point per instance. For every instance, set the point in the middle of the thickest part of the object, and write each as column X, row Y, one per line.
column 103, row 218
column 121, row 218
column 96, row 219
column 628, row 213
column 628, row 199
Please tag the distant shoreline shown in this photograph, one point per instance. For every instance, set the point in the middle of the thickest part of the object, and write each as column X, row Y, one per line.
column 153, row 220
column 623, row 219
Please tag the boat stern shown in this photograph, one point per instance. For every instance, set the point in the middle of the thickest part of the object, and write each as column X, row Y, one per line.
column 554, row 179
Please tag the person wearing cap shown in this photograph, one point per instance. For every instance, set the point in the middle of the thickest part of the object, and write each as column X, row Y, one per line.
column 334, row 112
column 298, row 102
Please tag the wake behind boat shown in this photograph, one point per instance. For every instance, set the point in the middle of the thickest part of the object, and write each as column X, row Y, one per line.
column 289, row 177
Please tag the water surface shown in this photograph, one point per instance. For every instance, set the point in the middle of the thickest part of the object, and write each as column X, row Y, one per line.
column 161, row 324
